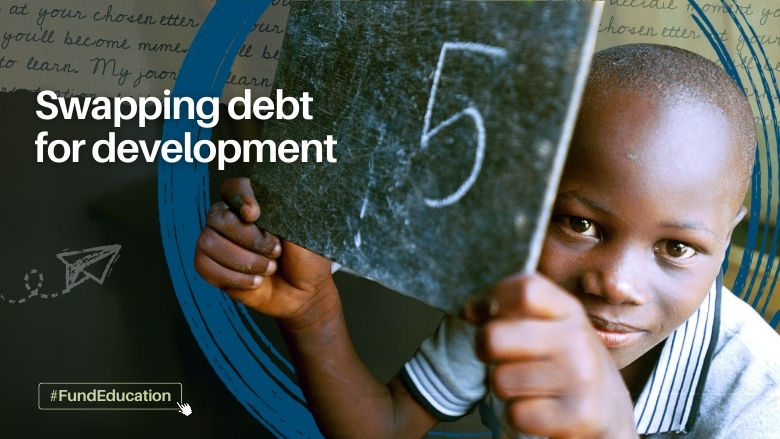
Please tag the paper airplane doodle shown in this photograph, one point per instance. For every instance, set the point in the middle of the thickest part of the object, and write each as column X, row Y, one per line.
column 80, row 265
column 91, row 263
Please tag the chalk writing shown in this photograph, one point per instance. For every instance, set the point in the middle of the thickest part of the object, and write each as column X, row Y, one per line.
column 470, row 111
column 364, row 205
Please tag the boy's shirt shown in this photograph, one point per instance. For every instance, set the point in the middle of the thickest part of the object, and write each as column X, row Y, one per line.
column 718, row 375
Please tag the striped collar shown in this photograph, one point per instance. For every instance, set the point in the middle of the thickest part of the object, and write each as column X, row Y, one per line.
column 669, row 401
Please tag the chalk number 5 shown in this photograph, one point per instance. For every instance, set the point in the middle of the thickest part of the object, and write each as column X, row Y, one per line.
column 428, row 133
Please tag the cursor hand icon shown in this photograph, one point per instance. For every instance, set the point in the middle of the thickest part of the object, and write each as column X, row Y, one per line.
column 185, row 409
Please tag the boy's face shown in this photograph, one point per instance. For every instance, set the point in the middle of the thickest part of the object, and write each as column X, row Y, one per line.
column 644, row 212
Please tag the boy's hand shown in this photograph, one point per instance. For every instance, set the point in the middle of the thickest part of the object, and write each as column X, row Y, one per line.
column 272, row 276
column 550, row 368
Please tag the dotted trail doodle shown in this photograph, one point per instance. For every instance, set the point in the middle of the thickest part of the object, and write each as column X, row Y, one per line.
column 93, row 263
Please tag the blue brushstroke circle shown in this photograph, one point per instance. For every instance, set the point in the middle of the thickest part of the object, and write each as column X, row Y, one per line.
column 759, row 258
column 245, row 361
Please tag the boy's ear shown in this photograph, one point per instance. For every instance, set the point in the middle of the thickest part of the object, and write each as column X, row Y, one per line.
column 740, row 214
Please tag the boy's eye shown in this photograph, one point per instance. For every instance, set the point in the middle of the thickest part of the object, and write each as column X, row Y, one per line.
column 581, row 225
column 675, row 249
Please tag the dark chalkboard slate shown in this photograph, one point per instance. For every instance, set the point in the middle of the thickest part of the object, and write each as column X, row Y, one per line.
column 452, row 121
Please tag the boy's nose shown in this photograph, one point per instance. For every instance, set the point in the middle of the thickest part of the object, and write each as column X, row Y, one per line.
column 618, row 279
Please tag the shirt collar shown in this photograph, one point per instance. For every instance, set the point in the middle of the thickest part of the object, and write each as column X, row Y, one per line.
column 670, row 399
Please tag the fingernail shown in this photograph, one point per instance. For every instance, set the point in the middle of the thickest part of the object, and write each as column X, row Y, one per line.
column 270, row 267
column 493, row 307
column 471, row 310
column 256, row 281
column 277, row 249
column 480, row 309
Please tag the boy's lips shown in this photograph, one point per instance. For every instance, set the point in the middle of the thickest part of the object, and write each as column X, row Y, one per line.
column 614, row 334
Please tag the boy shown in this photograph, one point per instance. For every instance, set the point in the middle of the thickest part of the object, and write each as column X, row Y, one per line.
column 624, row 330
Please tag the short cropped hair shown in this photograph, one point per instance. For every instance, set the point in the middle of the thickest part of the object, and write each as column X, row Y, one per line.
column 673, row 75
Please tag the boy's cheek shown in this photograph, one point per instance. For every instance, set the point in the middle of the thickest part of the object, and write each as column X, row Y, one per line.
column 680, row 296
column 677, row 309
column 560, row 263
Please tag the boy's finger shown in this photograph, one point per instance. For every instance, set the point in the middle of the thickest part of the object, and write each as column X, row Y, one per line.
column 238, row 194
column 519, row 339
column 545, row 416
column 232, row 256
column 529, row 378
column 530, row 296
column 226, row 223
column 222, row 277
column 257, row 298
